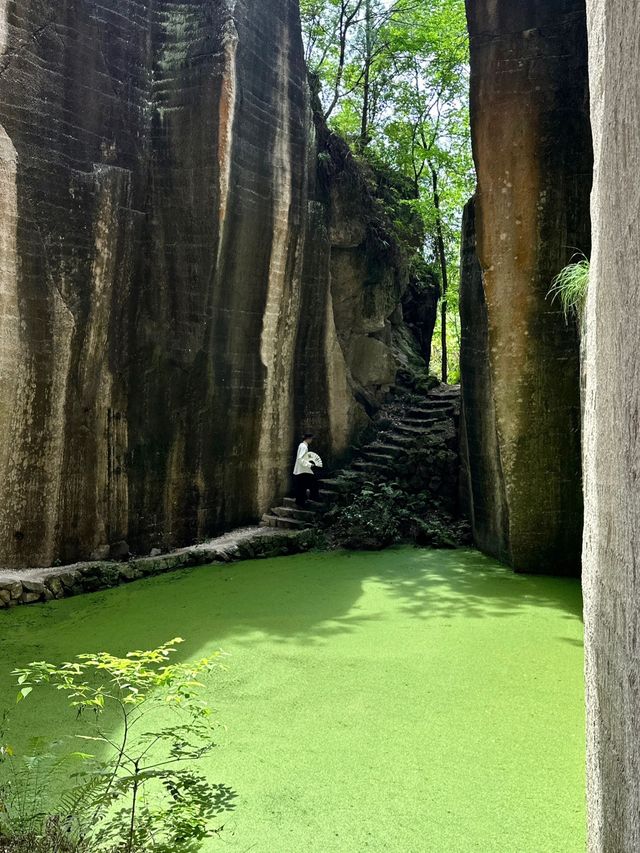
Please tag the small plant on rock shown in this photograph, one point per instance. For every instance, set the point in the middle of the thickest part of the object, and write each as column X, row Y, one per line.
column 138, row 791
column 570, row 287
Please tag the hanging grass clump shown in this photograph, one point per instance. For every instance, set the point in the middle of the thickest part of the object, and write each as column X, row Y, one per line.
column 570, row 287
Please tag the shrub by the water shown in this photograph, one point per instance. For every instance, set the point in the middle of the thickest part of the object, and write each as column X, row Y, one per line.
column 53, row 837
column 382, row 514
column 139, row 790
column 369, row 521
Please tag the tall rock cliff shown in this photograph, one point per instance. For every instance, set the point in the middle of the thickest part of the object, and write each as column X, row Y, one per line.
column 170, row 302
column 532, row 149
column 611, row 448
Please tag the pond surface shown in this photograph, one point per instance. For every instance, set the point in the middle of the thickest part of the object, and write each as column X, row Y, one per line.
column 413, row 701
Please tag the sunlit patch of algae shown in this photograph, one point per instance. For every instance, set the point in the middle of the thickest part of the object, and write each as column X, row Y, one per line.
column 408, row 701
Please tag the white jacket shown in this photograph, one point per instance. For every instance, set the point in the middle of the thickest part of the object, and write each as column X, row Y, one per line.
column 303, row 466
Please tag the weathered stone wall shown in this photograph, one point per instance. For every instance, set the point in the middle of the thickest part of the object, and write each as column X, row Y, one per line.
column 160, row 272
column 611, row 447
column 532, row 149
column 483, row 486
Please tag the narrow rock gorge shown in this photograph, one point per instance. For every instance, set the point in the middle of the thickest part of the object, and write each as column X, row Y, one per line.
column 520, row 358
column 182, row 287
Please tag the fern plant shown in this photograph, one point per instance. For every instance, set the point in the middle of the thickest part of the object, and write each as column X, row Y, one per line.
column 570, row 287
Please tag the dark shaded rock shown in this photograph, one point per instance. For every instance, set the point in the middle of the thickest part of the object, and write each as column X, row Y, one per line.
column 483, row 485
column 15, row 590
column 69, row 579
column 33, row 586
column 95, row 576
column 55, row 586
column 532, row 149
column 101, row 553
column 181, row 289
column 118, row 551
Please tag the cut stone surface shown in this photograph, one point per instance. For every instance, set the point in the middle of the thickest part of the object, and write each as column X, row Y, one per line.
column 611, row 447
column 180, row 294
column 533, row 156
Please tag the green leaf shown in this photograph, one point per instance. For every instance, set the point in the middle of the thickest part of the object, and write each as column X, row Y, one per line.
column 23, row 694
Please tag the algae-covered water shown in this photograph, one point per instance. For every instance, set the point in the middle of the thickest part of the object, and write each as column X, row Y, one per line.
column 407, row 701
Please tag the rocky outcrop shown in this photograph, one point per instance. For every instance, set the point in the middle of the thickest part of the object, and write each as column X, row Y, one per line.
column 178, row 291
column 532, row 150
column 611, row 448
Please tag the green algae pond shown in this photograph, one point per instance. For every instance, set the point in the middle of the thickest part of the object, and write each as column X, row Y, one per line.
column 408, row 700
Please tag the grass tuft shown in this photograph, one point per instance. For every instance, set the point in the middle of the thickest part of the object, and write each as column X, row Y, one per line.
column 570, row 287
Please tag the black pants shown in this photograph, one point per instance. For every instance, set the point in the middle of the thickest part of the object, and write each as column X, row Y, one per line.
column 302, row 482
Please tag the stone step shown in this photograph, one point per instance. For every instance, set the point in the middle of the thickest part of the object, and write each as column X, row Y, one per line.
column 432, row 406
column 332, row 485
column 426, row 417
column 369, row 468
column 329, row 497
column 269, row 520
column 295, row 512
column 415, row 430
column 393, row 451
column 398, row 440
column 375, row 454
column 442, row 401
column 313, row 506
column 445, row 389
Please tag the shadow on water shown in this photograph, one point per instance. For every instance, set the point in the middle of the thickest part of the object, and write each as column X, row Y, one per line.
column 304, row 599
column 247, row 608
column 467, row 583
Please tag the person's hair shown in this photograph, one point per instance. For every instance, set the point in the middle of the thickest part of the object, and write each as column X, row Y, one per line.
column 308, row 435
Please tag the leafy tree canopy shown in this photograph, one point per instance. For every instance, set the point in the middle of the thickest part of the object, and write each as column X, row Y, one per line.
column 394, row 81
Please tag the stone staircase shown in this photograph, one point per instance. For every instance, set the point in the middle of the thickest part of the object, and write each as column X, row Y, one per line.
column 400, row 427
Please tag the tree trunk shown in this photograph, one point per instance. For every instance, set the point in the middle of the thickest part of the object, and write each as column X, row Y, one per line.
column 442, row 258
column 366, row 91
column 611, row 555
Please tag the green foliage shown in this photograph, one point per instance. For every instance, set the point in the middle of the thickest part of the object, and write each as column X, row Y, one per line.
column 394, row 79
column 570, row 287
column 386, row 513
column 369, row 521
column 53, row 837
column 136, row 791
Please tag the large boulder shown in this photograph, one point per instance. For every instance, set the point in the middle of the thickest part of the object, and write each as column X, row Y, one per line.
column 532, row 149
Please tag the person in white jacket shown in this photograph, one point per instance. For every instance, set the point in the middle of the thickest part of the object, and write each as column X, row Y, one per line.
column 304, row 473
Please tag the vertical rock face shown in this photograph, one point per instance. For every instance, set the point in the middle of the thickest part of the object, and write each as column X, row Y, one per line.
column 484, row 484
column 160, row 260
column 533, row 157
column 611, row 448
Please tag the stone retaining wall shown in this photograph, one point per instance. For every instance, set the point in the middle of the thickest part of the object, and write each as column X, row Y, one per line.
column 39, row 585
